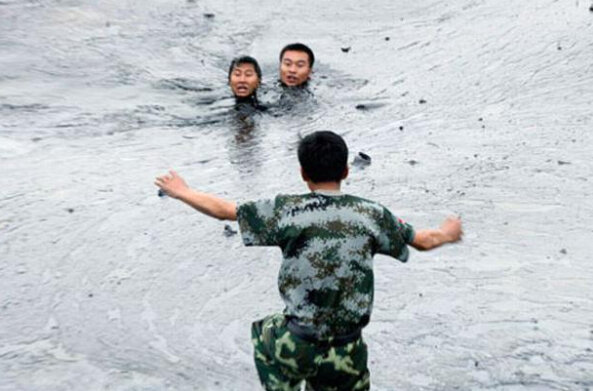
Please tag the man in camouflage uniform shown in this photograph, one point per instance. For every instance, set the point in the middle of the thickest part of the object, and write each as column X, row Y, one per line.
column 328, row 240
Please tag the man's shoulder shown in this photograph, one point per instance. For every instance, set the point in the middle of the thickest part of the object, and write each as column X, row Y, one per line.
column 362, row 202
column 284, row 197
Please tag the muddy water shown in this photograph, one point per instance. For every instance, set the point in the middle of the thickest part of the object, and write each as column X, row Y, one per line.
column 481, row 108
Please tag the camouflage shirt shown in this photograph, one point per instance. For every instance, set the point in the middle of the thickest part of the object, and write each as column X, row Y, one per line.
column 328, row 242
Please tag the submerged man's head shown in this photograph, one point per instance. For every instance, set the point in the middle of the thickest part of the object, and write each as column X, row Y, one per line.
column 323, row 157
column 244, row 76
column 296, row 64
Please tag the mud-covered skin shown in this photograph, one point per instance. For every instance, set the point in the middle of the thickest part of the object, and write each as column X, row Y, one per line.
column 283, row 360
column 328, row 243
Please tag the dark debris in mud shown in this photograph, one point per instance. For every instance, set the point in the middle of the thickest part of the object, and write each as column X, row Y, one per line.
column 368, row 106
column 361, row 160
column 229, row 231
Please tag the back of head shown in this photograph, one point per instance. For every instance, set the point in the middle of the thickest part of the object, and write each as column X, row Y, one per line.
column 299, row 47
column 323, row 156
column 245, row 60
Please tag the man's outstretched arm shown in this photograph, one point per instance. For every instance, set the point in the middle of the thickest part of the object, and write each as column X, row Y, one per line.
column 175, row 186
column 449, row 232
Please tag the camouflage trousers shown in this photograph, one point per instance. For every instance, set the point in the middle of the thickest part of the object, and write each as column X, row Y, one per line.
column 284, row 360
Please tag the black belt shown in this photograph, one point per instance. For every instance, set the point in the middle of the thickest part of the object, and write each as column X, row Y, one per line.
column 306, row 334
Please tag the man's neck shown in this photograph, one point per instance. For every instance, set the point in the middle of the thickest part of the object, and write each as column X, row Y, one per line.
column 302, row 86
column 328, row 186
column 250, row 100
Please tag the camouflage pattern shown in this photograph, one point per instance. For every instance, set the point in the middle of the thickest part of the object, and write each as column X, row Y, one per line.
column 328, row 243
column 284, row 360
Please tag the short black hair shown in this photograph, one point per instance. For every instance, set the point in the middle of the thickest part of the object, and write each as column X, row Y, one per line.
column 245, row 60
column 299, row 47
column 323, row 156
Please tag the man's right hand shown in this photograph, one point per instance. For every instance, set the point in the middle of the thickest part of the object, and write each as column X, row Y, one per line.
column 172, row 184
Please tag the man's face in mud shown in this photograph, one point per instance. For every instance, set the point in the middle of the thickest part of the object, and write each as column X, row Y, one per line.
column 295, row 69
column 243, row 80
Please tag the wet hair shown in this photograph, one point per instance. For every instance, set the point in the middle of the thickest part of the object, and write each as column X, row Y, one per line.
column 299, row 47
column 323, row 156
column 245, row 60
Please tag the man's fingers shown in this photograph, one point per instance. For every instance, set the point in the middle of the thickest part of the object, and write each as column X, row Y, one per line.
column 162, row 180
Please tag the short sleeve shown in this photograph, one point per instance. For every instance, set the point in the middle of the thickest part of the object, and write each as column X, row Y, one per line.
column 258, row 223
column 394, row 236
